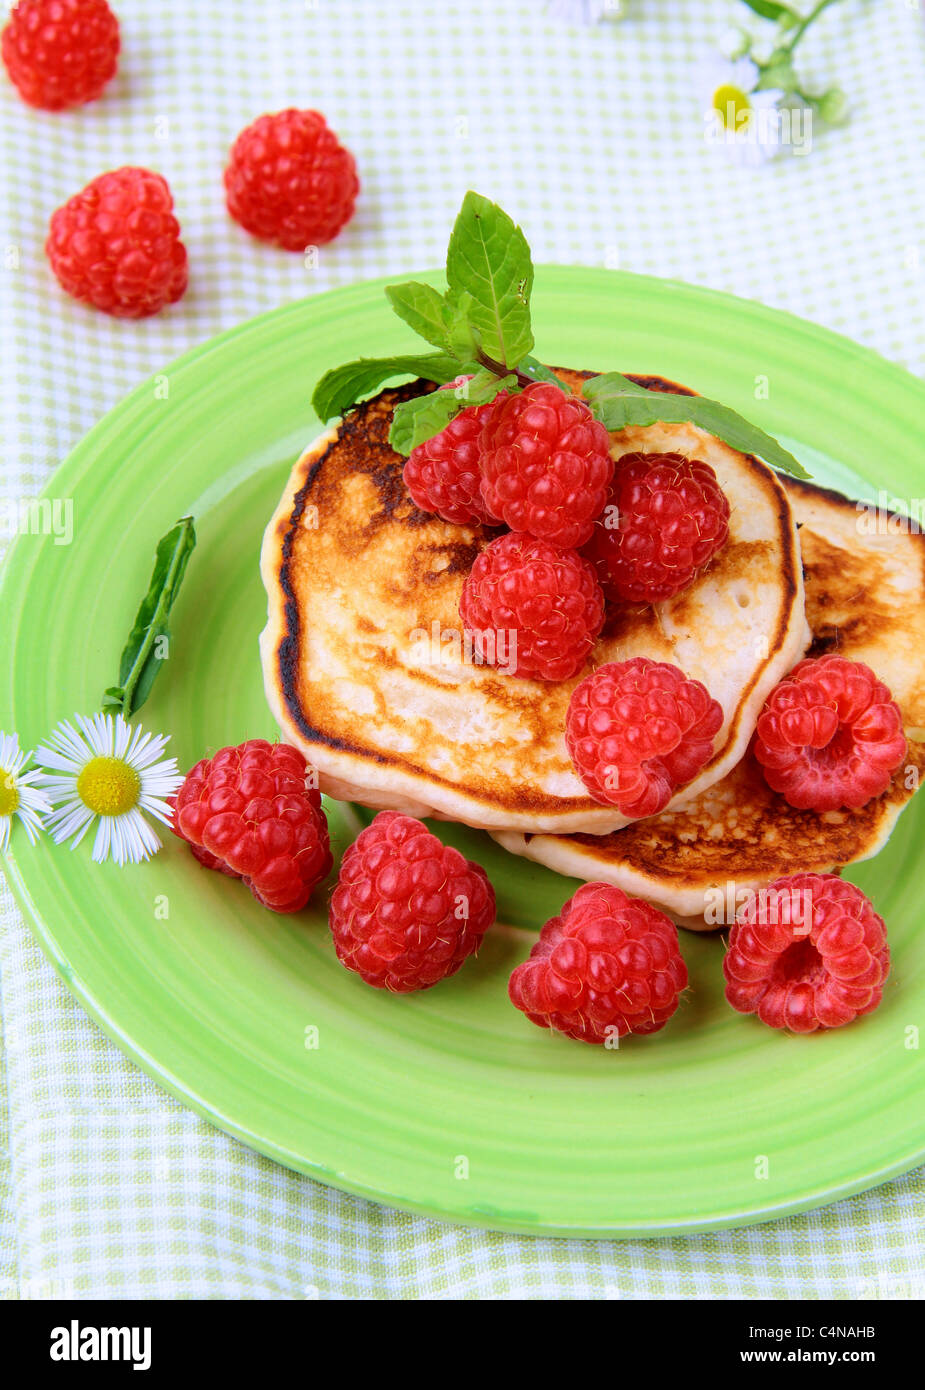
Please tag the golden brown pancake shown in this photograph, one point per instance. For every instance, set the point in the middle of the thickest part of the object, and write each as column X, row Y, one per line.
column 865, row 599
column 364, row 661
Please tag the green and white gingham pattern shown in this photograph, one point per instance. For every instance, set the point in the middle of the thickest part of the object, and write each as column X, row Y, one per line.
column 593, row 138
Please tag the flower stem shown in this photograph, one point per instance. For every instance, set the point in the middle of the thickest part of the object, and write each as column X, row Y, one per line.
column 804, row 24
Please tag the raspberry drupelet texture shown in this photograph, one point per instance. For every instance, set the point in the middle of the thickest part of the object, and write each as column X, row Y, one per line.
column 532, row 607
column 638, row 730
column 249, row 813
column 608, row 965
column 546, row 465
column 830, row 735
column 116, row 244
column 60, row 53
column 443, row 474
column 665, row 518
column 807, row 952
column 407, row 909
column 289, row 180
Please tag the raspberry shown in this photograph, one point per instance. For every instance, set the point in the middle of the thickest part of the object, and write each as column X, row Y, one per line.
column 608, row 965
column 532, row 607
column 637, row 730
column 116, row 244
column 666, row 517
column 830, row 735
column 807, row 952
column 60, row 53
column 248, row 813
column 442, row 474
column 546, row 465
column 407, row 910
column 289, row 180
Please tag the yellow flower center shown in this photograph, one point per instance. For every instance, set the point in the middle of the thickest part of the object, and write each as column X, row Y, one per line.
column 9, row 796
column 108, row 786
column 732, row 104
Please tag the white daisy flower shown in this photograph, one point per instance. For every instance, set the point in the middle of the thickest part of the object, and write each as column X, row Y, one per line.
column 108, row 771
column 18, row 796
column 748, row 123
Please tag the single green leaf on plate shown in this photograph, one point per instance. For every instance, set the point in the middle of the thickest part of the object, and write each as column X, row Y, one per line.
column 617, row 402
column 144, row 650
column 489, row 260
column 420, row 419
column 342, row 387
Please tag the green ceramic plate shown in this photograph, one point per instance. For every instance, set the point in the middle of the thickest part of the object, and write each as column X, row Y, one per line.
column 449, row 1103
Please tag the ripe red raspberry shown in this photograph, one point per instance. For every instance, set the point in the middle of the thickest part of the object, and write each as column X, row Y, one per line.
column 532, row 607
column 608, row 965
column 638, row 730
column 60, row 53
column 665, row 518
column 442, row 474
column 830, row 735
column 546, row 465
column 116, row 244
column 289, row 180
column 807, row 952
column 407, row 910
column 248, row 812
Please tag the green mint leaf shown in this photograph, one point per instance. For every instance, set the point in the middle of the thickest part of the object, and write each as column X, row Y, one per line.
column 769, row 9
column 342, row 387
column 421, row 418
column 536, row 370
column 617, row 402
column 424, row 309
column 461, row 337
column 141, row 657
column 483, row 385
column 434, row 316
column 488, row 259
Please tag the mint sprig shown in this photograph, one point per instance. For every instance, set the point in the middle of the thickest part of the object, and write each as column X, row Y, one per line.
column 617, row 402
column 481, row 329
column 141, row 657
column 480, row 325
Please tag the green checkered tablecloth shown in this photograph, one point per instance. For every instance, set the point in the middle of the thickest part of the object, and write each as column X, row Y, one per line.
column 593, row 137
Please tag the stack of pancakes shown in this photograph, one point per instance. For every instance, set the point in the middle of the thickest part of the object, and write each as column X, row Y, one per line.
column 368, row 671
